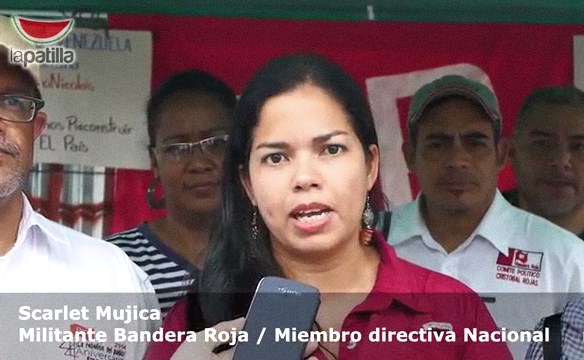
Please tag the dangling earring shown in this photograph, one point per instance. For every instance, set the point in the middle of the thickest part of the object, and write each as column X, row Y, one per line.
column 151, row 199
column 254, row 224
column 367, row 223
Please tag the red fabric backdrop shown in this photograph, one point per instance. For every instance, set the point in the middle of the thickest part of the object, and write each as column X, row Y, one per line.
column 517, row 58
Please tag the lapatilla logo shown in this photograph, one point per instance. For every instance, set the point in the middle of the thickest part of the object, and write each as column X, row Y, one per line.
column 42, row 34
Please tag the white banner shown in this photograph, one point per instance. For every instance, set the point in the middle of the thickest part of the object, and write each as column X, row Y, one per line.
column 96, row 106
column 579, row 61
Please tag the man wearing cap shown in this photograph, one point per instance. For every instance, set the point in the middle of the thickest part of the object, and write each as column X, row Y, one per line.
column 547, row 154
column 43, row 257
column 461, row 225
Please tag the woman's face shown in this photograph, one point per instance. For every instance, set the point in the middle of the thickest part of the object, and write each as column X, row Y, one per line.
column 308, row 174
column 190, row 176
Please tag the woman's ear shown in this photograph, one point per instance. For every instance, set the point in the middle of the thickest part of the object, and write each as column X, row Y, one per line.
column 373, row 172
column 246, row 182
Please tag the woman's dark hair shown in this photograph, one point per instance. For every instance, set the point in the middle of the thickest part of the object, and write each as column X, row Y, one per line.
column 195, row 81
column 236, row 260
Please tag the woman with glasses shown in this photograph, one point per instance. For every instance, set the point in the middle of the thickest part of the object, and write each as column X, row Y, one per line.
column 189, row 117
column 300, row 165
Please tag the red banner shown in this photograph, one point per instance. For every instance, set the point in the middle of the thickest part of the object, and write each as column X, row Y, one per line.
column 516, row 58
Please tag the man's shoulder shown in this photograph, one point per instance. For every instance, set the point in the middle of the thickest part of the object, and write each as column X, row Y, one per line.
column 429, row 281
column 535, row 229
column 54, row 258
column 544, row 232
column 402, row 222
column 72, row 247
column 522, row 223
column 557, row 248
column 574, row 314
column 64, row 236
column 407, row 208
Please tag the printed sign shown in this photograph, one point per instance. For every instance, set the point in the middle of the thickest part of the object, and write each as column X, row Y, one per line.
column 95, row 106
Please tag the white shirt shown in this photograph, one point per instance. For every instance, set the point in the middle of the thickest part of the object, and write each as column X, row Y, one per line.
column 61, row 269
column 510, row 259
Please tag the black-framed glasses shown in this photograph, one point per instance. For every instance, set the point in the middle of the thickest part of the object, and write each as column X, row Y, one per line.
column 19, row 108
column 214, row 146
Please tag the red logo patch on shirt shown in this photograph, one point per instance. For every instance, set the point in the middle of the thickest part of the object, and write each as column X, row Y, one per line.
column 519, row 266
column 91, row 349
column 528, row 260
column 75, row 328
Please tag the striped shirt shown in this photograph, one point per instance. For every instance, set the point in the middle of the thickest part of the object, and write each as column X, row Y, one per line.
column 170, row 274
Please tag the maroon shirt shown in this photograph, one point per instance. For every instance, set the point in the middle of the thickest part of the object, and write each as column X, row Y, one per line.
column 407, row 298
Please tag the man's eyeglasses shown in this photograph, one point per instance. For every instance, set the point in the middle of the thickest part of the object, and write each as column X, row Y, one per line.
column 213, row 146
column 19, row 108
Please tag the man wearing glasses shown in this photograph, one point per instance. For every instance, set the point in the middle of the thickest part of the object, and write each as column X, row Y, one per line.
column 42, row 257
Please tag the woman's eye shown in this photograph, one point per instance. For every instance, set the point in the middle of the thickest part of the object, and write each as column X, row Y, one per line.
column 333, row 149
column 176, row 150
column 274, row 158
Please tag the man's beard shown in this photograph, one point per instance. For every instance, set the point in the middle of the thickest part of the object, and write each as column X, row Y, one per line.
column 13, row 182
column 12, row 177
